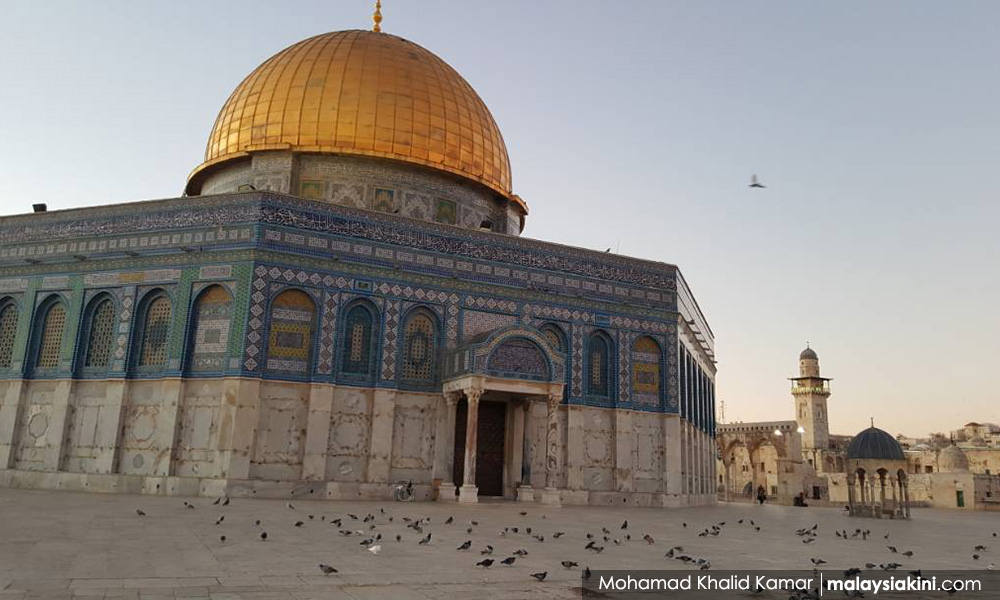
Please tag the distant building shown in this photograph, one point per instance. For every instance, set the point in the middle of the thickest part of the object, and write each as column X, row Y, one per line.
column 800, row 458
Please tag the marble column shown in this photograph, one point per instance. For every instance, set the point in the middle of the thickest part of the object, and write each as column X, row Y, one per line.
column 469, row 493
column 906, row 498
column 525, row 493
column 553, row 447
column 446, row 443
column 850, row 493
column 895, row 503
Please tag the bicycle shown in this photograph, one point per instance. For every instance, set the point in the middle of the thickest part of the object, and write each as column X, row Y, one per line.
column 403, row 492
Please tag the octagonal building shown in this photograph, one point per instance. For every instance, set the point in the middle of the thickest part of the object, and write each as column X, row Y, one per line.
column 342, row 301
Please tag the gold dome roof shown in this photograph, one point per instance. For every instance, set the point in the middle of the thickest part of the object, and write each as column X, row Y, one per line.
column 363, row 93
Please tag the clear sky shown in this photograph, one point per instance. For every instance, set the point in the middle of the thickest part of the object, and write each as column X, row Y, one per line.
column 634, row 125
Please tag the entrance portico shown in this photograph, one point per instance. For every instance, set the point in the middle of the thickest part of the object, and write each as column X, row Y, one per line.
column 519, row 396
column 494, row 383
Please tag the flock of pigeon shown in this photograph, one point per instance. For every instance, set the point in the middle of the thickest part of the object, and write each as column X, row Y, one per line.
column 373, row 530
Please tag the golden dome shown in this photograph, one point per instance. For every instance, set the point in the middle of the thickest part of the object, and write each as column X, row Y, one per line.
column 362, row 93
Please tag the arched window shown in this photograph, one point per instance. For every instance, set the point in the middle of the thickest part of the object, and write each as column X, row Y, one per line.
column 211, row 319
column 8, row 331
column 420, row 349
column 53, row 326
column 153, row 337
column 598, row 368
column 290, row 341
column 555, row 336
column 646, row 359
column 357, row 347
column 100, row 332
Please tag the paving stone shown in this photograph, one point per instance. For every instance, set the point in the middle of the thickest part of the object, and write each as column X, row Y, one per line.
column 66, row 545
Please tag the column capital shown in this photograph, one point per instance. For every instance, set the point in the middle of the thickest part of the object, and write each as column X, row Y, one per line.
column 554, row 399
column 452, row 398
column 473, row 394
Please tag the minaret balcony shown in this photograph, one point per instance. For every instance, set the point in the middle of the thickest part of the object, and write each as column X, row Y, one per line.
column 800, row 389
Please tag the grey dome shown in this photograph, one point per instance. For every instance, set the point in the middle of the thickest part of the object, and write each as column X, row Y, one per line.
column 873, row 443
column 809, row 354
column 953, row 460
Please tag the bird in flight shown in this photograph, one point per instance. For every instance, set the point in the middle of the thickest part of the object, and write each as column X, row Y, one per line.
column 754, row 183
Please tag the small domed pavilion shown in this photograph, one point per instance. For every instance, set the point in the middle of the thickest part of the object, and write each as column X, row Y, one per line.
column 875, row 463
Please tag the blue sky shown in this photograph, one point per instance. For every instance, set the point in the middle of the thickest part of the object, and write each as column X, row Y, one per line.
column 635, row 126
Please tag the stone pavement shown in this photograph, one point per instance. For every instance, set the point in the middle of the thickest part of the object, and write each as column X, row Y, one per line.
column 60, row 545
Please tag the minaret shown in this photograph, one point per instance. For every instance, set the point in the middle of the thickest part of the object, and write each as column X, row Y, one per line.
column 810, row 392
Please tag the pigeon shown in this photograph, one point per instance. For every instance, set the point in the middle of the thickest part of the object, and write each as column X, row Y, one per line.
column 486, row 563
column 465, row 546
column 980, row 548
column 527, row 530
column 449, row 520
column 140, row 513
column 870, row 565
column 220, row 520
column 468, row 530
column 540, row 576
column 217, row 500
column 474, row 523
column 425, row 541
column 226, row 503
column 975, row 557
column 558, row 534
column 809, row 540
column 818, row 561
column 188, row 505
column 374, row 549
column 263, row 535
column 222, row 538
column 891, row 549
column 754, row 183
column 625, row 524
column 399, row 538
column 586, row 573
column 568, row 564
column 523, row 513
column 327, row 569
column 299, row 523
column 886, row 536
column 290, row 506
column 509, row 560
column 487, row 551
column 908, row 553
column 521, row 552
column 649, row 539
column 257, row 523
column 540, row 538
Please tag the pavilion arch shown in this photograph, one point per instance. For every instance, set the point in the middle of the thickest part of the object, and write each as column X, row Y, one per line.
column 48, row 335
column 360, row 327
column 97, row 335
column 9, row 314
column 420, row 349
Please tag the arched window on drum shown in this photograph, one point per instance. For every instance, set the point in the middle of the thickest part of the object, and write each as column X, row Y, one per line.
column 647, row 379
column 420, row 349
